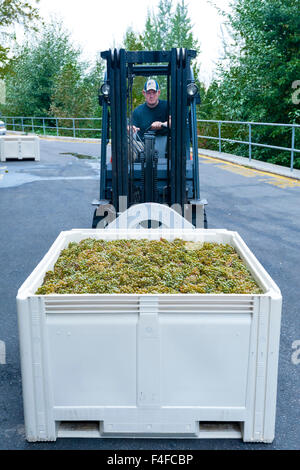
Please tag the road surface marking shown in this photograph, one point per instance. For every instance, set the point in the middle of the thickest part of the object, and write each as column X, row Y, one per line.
column 274, row 179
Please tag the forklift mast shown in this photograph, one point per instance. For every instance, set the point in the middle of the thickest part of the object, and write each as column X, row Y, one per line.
column 142, row 176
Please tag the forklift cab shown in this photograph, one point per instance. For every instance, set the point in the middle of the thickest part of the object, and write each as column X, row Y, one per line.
column 152, row 169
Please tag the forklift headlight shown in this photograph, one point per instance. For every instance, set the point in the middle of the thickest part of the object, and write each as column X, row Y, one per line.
column 192, row 89
column 105, row 89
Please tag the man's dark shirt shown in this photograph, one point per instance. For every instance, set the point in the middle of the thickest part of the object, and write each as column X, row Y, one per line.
column 143, row 116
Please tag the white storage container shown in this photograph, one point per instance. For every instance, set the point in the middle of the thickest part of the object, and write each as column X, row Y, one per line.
column 180, row 365
column 19, row 147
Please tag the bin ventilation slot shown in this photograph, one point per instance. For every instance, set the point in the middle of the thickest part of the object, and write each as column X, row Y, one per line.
column 131, row 305
column 91, row 306
column 78, row 429
column 182, row 306
column 220, row 429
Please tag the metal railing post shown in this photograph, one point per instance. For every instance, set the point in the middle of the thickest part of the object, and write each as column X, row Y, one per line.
column 250, row 143
column 22, row 124
column 293, row 148
column 14, row 128
column 32, row 125
column 44, row 129
column 56, row 126
column 74, row 134
column 220, row 142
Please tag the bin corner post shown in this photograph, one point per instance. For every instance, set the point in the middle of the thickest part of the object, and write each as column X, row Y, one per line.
column 39, row 422
column 262, row 376
column 272, row 368
column 148, row 353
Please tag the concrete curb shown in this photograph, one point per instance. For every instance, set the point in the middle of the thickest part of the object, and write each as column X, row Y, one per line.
column 255, row 164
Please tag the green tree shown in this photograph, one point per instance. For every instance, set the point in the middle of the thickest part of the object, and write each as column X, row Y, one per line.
column 75, row 94
column 165, row 28
column 256, row 76
column 31, row 83
column 94, row 79
column 70, row 96
column 133, row 41
column 267, row 61
column 169, row 27
column 13, row 12
column 181, row 34
column 158, row 27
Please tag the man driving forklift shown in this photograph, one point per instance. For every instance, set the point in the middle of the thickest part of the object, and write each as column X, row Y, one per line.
column 138, row 169
column 152, row 115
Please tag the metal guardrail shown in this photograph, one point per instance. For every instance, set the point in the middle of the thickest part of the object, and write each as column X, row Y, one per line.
column 25, row 123
column 31, row 124
column 249, row 142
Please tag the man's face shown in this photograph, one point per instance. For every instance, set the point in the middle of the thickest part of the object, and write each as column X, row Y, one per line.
column 151, row 97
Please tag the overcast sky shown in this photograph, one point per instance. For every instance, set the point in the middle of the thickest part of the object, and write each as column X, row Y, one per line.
column 97, row 25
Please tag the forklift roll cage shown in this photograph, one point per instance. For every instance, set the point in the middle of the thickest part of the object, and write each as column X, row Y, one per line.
column 121, row 177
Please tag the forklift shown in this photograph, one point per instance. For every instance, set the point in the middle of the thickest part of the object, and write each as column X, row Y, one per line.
column 135, row 173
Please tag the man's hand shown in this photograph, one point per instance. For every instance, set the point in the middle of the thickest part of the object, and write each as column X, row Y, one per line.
column 134, row 129
column 157, row 125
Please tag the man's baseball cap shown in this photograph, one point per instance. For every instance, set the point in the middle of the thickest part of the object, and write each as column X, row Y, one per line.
column 151, row 85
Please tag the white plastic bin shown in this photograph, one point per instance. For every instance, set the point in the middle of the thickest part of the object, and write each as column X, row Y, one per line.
column 19, row 147
column 180, row 365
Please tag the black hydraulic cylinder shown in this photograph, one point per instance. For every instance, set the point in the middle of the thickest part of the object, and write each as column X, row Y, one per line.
column 150, row 167
column 117, row 69
column 179, row 113
column 103, row 149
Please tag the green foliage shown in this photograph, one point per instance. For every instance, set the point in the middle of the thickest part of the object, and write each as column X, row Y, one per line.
column 74, row 93
column 133, row 41
column 164, row 29
column 169, row 27
column 157, row 34
column 33, row 77
column 13, row 12
column 70, row 95
column 48, row 78
column 261, row 72
column 256, row 76
column 181, row 29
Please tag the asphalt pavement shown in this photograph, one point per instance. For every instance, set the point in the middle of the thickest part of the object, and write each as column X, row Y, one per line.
column 38, row 200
